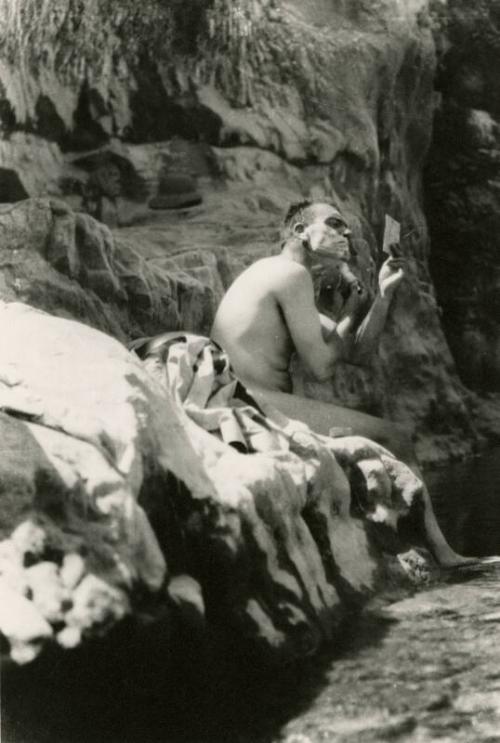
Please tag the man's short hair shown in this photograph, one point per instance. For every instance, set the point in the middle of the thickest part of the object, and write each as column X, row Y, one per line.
column 295, row 214
column 295, row 210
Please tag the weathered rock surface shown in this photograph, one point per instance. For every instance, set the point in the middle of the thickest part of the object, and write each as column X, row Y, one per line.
column 71, row 265
column 108, row 515
column 109, row 490
column 75, row 447
column 463, row 189
column 258, row 104
column 432, row 675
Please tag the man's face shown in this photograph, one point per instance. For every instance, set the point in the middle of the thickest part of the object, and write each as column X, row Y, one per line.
column 326, row 231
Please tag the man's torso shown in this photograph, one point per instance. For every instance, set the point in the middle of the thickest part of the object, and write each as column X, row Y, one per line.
column 250, row 326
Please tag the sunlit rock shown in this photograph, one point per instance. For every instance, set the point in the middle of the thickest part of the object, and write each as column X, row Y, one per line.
column 113, row 492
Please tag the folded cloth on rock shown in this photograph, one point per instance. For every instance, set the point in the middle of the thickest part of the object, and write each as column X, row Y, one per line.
column 199, row 377
column 198, row 374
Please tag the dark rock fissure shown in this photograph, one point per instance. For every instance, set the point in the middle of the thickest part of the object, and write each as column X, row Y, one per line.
column 86, row 133
column 157, row 116
column 462, row 191
column 11, row 188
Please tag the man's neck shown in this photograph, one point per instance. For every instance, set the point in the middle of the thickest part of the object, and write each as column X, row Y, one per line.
column 295, row 250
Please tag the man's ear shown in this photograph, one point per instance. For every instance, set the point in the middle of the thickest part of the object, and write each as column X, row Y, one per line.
column 299, row 229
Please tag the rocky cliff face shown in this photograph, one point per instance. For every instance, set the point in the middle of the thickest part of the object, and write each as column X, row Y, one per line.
column 462, row 186
column 115, row 508
column 123, row 110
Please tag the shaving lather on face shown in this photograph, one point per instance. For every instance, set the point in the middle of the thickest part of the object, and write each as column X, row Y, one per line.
column 329, row 247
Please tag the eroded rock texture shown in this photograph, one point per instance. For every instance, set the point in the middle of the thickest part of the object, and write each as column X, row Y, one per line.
column 115, row 503
column 463, row 189
column 247, row 106
column 71, row 265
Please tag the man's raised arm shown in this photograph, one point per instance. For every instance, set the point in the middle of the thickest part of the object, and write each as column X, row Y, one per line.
column 365, row 339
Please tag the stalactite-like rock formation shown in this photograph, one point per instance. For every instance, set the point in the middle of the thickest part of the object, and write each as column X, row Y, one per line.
column 246, row 106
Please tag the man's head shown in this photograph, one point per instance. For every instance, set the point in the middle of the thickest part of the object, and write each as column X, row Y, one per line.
column 321, row 227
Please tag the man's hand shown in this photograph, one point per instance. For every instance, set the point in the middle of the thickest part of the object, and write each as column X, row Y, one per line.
column 391, row 272
column 326, row 273
column 355, row 296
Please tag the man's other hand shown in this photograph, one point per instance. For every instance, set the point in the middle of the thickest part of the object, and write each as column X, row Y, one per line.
column 391, row 272
column 355, row 298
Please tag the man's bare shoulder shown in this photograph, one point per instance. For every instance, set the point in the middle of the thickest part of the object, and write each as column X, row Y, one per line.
column 280, row 270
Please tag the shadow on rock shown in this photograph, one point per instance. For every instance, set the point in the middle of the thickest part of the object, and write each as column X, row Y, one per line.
column 138, row 687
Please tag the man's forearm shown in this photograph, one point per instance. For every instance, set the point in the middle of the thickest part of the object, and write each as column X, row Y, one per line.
column 341, row 335
column 356, row 341
column 362, row 342
column 338, row 341
column 367, row 336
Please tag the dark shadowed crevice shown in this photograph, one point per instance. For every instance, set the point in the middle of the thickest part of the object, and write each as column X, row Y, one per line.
column 87, row 133
column 8, row 120
column 11, row 188
column 189, row 17
column 156, row 116
column 48, row 122
column 462, row 192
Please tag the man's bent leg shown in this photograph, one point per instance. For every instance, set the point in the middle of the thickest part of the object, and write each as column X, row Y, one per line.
column 322, row 417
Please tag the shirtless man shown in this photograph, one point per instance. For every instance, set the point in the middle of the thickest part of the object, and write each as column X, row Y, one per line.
column 269, row 312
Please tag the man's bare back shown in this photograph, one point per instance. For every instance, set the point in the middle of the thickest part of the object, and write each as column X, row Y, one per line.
column 250, row 324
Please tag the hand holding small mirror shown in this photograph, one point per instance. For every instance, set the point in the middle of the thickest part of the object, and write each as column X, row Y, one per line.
column 392, row 270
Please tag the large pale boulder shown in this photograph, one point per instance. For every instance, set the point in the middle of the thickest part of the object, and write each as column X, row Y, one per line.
column 111, row 493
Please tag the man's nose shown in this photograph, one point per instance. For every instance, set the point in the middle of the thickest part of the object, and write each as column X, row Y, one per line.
column 341, row 230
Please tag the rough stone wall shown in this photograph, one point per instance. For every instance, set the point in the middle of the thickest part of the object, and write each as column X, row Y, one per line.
column 261, row 102
column 463, row 189
column 73, row 266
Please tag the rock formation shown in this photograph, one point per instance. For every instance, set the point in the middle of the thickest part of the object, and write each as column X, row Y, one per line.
column 71, row 265
column 115, row 502
column 252, row 104
column 230, row 110
column 462, row 187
